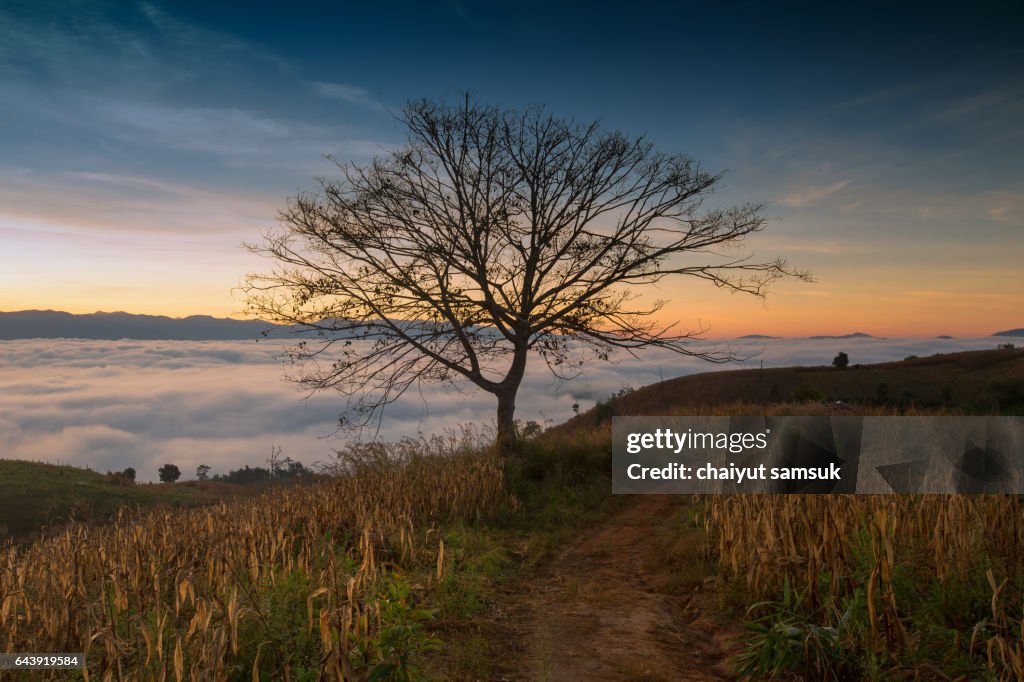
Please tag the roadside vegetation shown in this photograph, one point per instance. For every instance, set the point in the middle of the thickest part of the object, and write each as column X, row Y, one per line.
column 364, row 575
column 874, row 587
column 883, row 587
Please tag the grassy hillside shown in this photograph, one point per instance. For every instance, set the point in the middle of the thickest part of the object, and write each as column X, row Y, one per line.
column 972, row 381
column 34, row 496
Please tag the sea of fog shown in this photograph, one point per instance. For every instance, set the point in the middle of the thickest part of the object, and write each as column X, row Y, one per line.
column 113, row 404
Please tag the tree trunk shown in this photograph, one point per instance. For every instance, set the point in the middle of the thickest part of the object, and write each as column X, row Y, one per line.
column 506, row 394
column 506, row 440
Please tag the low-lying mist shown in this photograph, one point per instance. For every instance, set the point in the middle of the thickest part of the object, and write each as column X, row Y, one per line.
column 114, row 404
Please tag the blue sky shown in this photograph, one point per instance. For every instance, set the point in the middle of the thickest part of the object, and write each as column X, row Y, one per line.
column 143, row 141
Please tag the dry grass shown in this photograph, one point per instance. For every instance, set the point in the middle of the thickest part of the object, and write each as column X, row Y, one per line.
column 824, row 545
column 932, row 575
column 191, row 594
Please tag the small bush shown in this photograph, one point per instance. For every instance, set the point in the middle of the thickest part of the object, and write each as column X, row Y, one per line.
column 882, row 392
column 841, row 361
column 169, row 473
column 1005, row 393
column 783, row 643
column 807, row 394
column 403, row 636
column 604, row 410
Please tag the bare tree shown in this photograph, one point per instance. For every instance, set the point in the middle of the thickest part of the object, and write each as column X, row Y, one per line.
column 275, row 459
column 492, row 235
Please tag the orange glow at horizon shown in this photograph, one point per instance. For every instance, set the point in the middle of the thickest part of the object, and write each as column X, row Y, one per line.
column 854, row 292
column 878, row 306
column 790, row 310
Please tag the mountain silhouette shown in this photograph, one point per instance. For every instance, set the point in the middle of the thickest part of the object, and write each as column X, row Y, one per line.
column 52, row 324
column 855, row 335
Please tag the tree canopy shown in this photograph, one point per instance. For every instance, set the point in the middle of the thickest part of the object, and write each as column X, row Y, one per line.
column 491, row 236
column 169, row 473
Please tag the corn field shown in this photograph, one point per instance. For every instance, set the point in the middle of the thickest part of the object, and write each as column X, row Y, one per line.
column 223, row 592
column 891, row 554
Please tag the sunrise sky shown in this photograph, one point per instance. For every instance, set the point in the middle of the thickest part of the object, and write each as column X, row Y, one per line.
column 142, row 142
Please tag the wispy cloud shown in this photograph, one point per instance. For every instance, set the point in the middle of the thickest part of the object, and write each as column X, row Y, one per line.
column 976, row 104
column 881, row 95
column 808, row 196
column 238, row 137
column 108, row 203
column 999, row 212
column 830, row 247
column 459, row 10
column 1004, row 207
column 82, row 42
column 198, row 40
column 345, row 92
column 163, row 83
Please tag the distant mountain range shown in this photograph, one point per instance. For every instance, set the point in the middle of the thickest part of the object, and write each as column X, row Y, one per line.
column 855, row 335
column 52, row 324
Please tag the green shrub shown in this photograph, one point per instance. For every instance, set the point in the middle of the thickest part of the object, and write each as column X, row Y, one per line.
column 403, row 636
column 784, row 643
column 807, row 394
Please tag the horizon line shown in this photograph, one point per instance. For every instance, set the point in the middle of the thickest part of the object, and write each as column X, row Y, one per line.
column 751, row 336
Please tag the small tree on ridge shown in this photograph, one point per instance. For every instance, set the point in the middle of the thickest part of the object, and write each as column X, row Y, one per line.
column 169, row 473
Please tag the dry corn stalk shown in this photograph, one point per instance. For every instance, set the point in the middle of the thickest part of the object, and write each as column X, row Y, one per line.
column 166, row 595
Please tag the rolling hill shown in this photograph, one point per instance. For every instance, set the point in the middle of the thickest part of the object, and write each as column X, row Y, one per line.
column 35, row 496
column 967, row 380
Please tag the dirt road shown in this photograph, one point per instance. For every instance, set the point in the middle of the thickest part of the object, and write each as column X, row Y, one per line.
column 596, row 613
